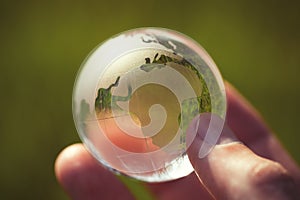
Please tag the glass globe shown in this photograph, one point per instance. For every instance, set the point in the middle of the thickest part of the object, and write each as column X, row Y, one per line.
column 135, row 97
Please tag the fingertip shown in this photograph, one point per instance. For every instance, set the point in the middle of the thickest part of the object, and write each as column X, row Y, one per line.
column 233, row 171
column 82, row 177
column 69, row 157
column 204, row 132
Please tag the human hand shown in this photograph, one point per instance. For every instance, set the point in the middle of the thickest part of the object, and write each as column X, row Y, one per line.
column 256, row 168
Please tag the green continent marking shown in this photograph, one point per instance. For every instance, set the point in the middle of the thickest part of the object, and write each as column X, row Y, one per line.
column 204, row 100
column 105, row 100
column 190, row 107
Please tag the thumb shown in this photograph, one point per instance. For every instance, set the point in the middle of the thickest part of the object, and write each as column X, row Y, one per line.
column 232, row 171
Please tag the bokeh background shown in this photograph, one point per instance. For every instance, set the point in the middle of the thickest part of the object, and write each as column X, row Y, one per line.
column 256, row 45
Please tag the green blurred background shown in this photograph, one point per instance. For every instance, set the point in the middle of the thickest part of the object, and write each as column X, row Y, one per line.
column 256, row 45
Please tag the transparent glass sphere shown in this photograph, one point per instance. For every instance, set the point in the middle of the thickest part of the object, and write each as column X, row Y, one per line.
column 135, row 96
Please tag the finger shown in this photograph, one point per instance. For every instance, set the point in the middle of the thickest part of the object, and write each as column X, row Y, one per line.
column 233, row 171
column 250, row 128
column 185, row 188
column 82, row 177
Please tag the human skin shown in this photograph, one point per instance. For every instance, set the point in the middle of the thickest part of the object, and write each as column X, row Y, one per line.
column 250, row 165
